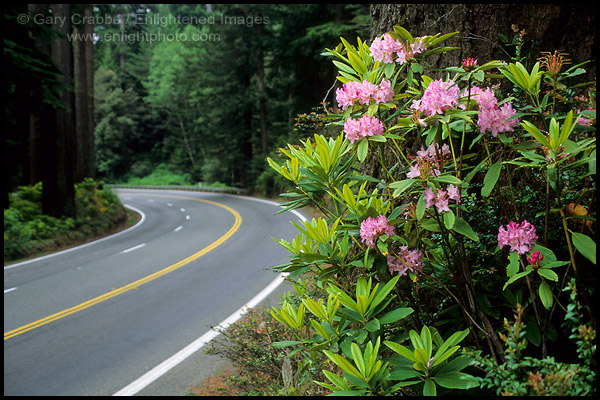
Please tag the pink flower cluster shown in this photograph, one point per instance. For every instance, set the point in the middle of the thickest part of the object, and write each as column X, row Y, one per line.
column 427, row 159
column 384, row 48
column 441, row 197
column 371, row 228
column 406, row 259
column 364, row 92
column 520, row 237
column 365, row 126
column 437, row 98
column 491, row 117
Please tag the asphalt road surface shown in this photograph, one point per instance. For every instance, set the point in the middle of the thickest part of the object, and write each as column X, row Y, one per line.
column 95, row 320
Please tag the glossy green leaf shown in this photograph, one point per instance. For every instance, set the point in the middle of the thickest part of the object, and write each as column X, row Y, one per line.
column 545, row 295
column 490, row 179
column 585, row 245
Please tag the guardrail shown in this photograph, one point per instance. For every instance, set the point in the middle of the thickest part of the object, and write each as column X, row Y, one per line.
column 177, row 187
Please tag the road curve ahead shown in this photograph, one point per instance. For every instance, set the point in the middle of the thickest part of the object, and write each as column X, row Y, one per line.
column 93, row 320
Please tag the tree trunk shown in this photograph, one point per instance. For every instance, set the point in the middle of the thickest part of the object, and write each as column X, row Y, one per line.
column 84, row 94
column 58, row 194
column 90, row 164
column 548, row 27
column 262, row 95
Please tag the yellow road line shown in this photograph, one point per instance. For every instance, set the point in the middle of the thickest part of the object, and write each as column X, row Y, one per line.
column 138, row 283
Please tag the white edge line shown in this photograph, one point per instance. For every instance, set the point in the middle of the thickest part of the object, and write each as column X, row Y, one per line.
column 141, row 221
column 9, row 290
column 161, row 369
column 164, row 367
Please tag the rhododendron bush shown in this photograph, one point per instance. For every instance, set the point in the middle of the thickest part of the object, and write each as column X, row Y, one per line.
column 467, row 215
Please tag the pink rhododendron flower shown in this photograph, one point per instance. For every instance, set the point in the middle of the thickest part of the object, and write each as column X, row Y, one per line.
column 363, row 92
column 384, row 47
column 438, row 97
column 440, row 198
column 491, row 117
column 365, row 126
column 454, row 193
column 371, row 228
column 406, row 260
column 520, row 237
column 414, row 171
column 429, row 197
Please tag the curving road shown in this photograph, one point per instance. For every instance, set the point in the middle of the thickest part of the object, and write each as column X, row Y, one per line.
column 96, row 319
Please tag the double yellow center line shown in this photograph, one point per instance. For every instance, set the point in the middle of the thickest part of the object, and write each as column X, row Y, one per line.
column 138, row 283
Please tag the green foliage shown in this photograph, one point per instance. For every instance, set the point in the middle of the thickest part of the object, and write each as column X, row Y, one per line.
column 27, row 231
column 161, row 175
column 391, row 252
column 522, row 375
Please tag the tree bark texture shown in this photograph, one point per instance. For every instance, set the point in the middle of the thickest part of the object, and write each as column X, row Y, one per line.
column 570, row 27
column 58, row 194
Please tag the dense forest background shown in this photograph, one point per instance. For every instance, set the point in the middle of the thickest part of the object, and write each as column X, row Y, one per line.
column 204, row 92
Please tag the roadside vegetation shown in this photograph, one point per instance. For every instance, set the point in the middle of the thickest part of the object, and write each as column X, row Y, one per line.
column 456, row 252
column 28, row 232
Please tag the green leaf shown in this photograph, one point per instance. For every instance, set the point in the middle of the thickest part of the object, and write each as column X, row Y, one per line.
column 461, row 226
column 513, row 265
column 516, row 277
column 285, row 343
column 455, row 380
column 421, row 356
column 535, row 132
column 490, row 179
column 548, row 274
column 401, row 186
column 545, row 295
column 344, row 364
column 449, row 219
column 373, row 325
column 429, row 388
column 448, row 179
column 362, row 150
column 395, row 315
column 585, row 245
column 398, row 348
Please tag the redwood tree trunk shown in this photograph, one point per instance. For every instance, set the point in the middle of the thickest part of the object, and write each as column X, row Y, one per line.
column 570, row 27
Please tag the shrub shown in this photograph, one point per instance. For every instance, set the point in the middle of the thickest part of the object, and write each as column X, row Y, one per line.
column 445, row 205
column 27, row 230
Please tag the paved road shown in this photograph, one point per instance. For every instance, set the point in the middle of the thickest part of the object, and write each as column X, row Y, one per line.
column 94, row 320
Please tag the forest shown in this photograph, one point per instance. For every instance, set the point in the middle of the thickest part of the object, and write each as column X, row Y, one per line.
column 447, row 153
column 192, row 93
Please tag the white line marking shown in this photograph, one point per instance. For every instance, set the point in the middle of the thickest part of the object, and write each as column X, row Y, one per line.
column 178, row 228
column 139, row 246
column 164, row 367
column 196, row 345
column 9, row 290
column 182, row 209
column 150, row 200
column 169, row 204
column 140, row 222
column 187, row 217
